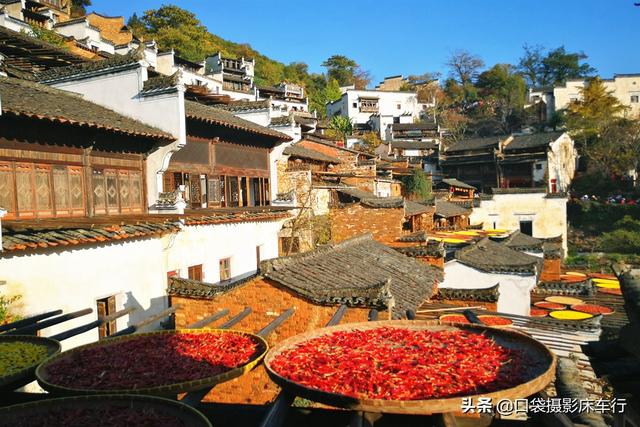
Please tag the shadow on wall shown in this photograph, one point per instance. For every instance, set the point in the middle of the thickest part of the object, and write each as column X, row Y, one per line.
column 141, row 315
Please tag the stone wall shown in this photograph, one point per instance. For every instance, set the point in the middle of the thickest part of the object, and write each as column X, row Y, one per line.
column 267, row 300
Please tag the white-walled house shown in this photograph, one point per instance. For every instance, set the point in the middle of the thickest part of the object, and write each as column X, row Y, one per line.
column 133, row 266
column 484, row 264
column 532, row 211
column 625, row 87
column 81, row 29
column 375, row 110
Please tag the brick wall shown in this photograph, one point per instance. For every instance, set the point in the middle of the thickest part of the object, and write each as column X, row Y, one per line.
column 385, row 224
column 551, row 269
column 267, row 300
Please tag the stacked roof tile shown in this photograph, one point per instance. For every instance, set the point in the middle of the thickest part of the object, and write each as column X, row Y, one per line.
column 491, row 257
column 360, row 272
column 29, row 99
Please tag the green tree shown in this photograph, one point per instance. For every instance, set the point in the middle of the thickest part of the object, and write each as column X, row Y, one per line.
column 341, row 68
column 505, row 90
column 371, row 141
column 419, row 185
column 78, row 7
column 540, row 68
column 332, row 91
column 596, row 109
column 341, row 127
column 530, row 65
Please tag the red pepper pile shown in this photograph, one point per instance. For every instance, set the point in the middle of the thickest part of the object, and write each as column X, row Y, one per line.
column 592, row 309
column 495, row 320
column 108, row 416
column 153, row 360
column 401, row 364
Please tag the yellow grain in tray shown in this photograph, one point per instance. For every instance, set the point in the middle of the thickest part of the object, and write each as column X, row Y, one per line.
column 570, row 315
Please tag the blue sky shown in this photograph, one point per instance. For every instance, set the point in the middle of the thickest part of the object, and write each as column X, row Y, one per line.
column 413, row 36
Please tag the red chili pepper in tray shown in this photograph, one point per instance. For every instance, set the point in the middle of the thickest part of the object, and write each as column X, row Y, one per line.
column 401, row 364
column 153, row 360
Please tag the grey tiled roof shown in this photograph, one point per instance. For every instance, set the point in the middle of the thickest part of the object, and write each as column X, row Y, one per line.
column 297, row 150
column 212, row 115
column 542, row 139
column 371, row 200
column 238, row 106
column 29, row 99
column 445, row 209
column 489, row 256
column 358, row 272
column 523, row 242
column 414, row 126
column 412, row 208
column 476, row 143
column 453, row 182
column 413, row 145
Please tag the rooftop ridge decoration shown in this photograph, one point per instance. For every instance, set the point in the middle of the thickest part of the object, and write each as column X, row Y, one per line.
column 584, row 288
column 217, row 116
column 489, row 256
column 490, row 294
column 358, row 267
column 179, row 286
column 239, row 106
column 92, row 68
column 161, row 83
column 34, row 100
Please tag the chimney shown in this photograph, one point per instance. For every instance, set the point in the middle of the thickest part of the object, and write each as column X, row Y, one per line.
column 551, row 268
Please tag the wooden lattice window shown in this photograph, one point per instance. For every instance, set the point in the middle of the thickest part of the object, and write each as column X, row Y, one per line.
column 117, row 191
column 24, row 190
column 99, row 195
column 7, row 189
column 214, row 190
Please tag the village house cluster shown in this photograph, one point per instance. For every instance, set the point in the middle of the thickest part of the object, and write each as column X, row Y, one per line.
column 133, row 178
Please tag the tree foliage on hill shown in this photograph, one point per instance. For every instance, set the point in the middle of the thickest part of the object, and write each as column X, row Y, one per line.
column 78, row 7
column 504, row 91
column 175, row 28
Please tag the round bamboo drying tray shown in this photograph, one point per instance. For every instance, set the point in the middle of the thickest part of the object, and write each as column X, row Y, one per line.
column 162, row 390
column 26, row 375
column 540, row 376
column 188, row 415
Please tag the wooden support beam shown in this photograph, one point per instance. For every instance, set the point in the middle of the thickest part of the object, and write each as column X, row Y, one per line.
column 264, row 332
column 29, row 320
column 89, row 326
column 207, row 320
column 337, row 316
column 33, row 328
column 147, row 321
column 236, row 319
column 277, row 413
